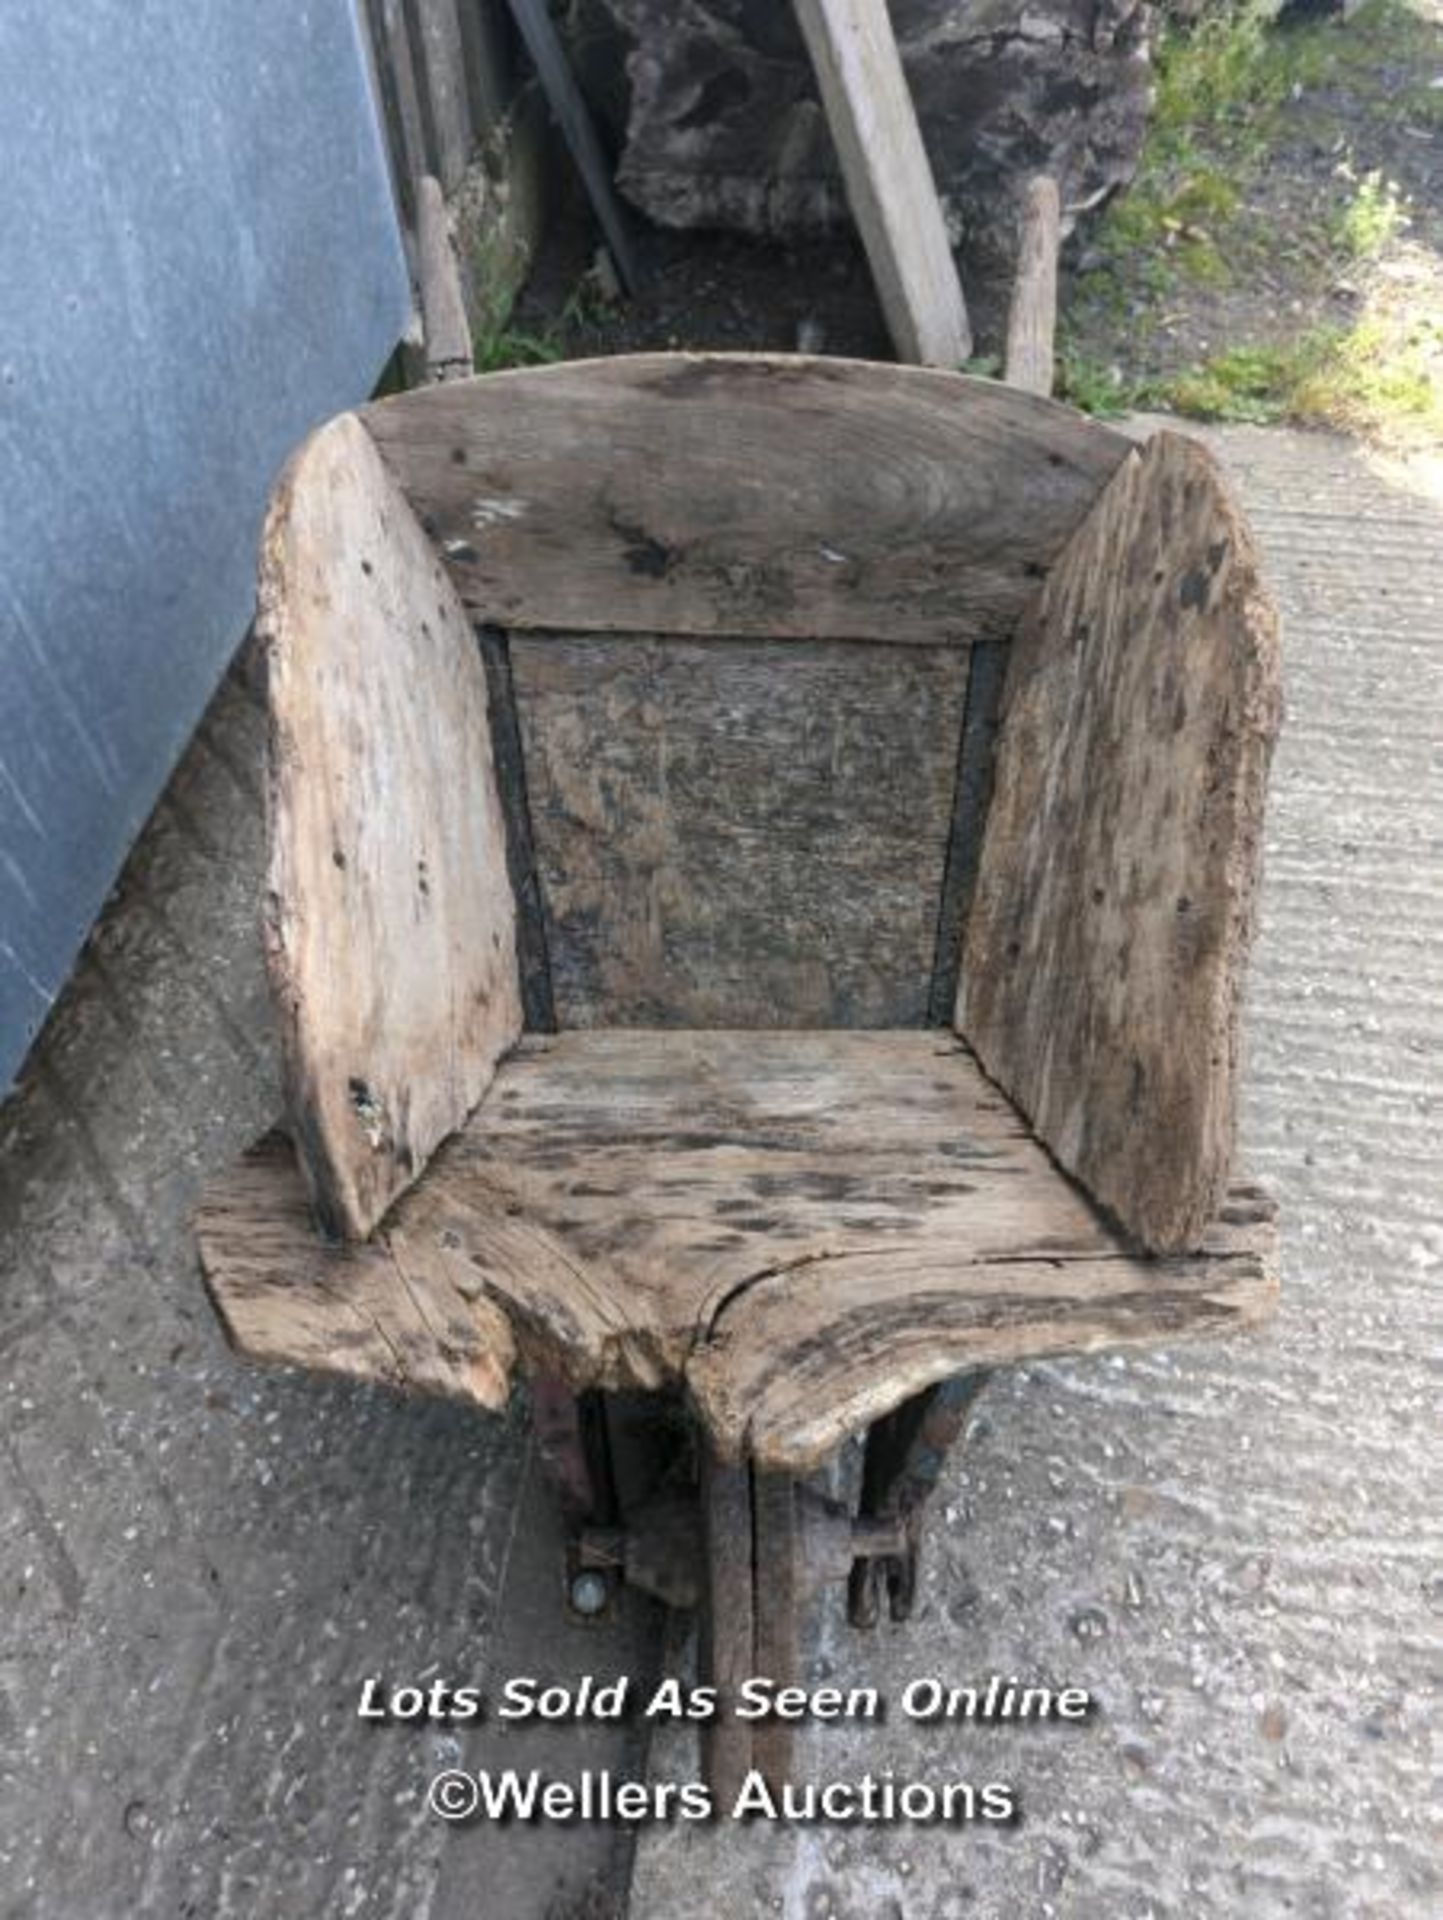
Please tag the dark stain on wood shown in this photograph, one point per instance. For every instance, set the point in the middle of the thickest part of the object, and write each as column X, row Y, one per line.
column 972, row 796
column 533, row 961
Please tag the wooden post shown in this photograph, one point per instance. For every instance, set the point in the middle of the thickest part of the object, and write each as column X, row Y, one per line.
column 487, row 69
column 889, row 179
column 1032, row 320
column 446, row 343
column 444, row 102
column 400, row 98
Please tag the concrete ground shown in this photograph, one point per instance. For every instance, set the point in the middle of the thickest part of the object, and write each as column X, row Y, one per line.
column 1239, row 1548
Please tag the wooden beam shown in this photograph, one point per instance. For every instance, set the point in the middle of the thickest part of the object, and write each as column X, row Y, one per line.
column 1032, row 319
column 444, row 100
column 401, row 98
column 888, row 177
column 389, row 919
column 1108, row 935
column 446, row 330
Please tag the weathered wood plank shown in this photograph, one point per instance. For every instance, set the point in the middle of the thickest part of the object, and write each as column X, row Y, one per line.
column 444, row 101
column 728, row 1629
column 746, row 495
column 804, row 1228
column 779, row 1594
column 400, row 96
column 446, row 331
column 889, row 181
column 1108, row 934
column 403, row 1315
column 389, row 919
column 537, row 1000
column 739, row 833
column 1032, row 316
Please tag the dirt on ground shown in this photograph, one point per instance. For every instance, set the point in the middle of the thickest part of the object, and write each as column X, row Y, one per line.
column 1279, row 256
column 1281, row 251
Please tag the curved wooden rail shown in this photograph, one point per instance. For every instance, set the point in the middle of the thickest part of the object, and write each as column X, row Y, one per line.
column 745, row 494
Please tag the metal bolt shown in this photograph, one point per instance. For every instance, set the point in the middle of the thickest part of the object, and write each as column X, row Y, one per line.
column 589, row 1592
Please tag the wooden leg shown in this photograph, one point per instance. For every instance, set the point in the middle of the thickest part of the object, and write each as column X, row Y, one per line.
column 726, row 1620
column 778, row 1585
column 906, row 1452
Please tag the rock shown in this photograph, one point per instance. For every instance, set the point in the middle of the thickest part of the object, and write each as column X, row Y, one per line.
column 725, row 128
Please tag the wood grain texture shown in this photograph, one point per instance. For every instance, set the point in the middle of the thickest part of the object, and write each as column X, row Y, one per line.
column 727, row 1652
column 446, row 342
column 404, row 1314
column 739, row 833
column 389, row 920
column 745, row 495
column 1032, row 315
column 779, row 1595
column 401, row 98
column 804, row 1228
column 1108, row 935
column 444, row 102
column 888, row 177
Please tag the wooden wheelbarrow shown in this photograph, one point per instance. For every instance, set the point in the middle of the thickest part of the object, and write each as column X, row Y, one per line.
column 762, row 860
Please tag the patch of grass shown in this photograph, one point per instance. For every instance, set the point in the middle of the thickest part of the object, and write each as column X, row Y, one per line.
column 1096, row 388
column 1372, row 216
column 1241, row 383
column 1221, row 87
column 502, row 347
column 1370, row 381
column 1169, row 222
column 1212, row 80
column 1363, row 379
column 1173, row 258
column 1214, row 86
column 1386, row 52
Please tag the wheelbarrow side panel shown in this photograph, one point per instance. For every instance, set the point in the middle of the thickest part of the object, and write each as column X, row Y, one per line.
column 390, row 923
column 1106, row 945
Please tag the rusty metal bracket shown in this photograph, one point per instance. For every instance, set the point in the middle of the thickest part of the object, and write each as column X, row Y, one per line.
column 906, row 1453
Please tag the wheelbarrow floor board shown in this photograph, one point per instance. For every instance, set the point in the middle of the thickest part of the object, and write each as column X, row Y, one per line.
column 800, row 1228
column 776, row 1194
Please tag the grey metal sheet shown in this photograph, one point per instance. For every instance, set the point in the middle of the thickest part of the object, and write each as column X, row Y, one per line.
column 199, row 259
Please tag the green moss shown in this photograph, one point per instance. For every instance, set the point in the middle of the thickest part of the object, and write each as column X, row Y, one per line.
column 1243, row 383
column 1369, row 380
column 1361, row 378
column 1095, row 388
column 502, row 347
